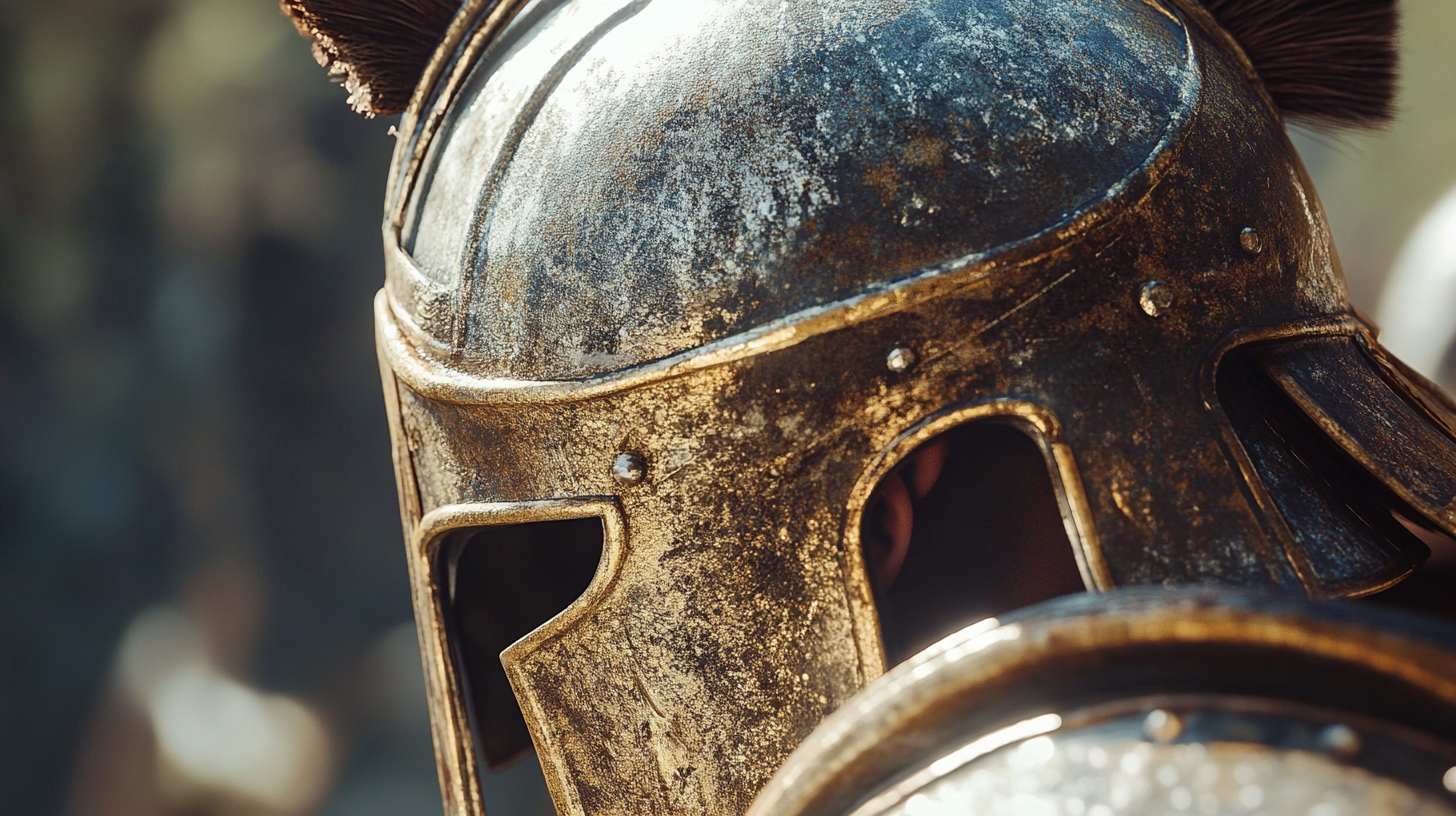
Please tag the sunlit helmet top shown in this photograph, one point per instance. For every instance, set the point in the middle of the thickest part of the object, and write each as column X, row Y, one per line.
column 621, row 182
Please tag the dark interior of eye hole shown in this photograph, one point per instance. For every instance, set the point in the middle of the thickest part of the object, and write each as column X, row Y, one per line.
column 1344, row 519
column 504, row 583
column 985, row 536
column 1431, row 589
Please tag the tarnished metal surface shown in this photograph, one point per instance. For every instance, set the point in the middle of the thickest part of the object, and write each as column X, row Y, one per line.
column 764, row 250
column 1295, row 699
column 630, row 180
column 1331, row 381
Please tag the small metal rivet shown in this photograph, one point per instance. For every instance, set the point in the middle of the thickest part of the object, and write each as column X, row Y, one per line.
column 1340, row 740
column 900, row 359
column 1449, row 780
column 1162, row 726
column 1156, row 298
column 629, row 468
column 1250, row 241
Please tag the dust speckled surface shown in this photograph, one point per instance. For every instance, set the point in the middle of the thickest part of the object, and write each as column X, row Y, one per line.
column 650, row 227
column 1086, row 775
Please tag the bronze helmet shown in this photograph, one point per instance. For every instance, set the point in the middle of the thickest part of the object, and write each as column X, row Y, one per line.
column 673, row 285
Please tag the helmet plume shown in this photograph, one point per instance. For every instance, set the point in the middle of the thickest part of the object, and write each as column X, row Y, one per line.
column 1326, row 63
column 377, row 48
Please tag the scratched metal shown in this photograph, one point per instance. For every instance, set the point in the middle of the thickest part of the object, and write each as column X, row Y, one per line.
column 694, row 230
column 1368, row 418
column 637, row 179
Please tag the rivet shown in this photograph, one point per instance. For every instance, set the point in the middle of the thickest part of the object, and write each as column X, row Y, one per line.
column 1449, row 780
column 1341, row 740
column 1162, row 726
column 900, row 359
column 1250, row 241
column 1156, row 298
column 629, row 468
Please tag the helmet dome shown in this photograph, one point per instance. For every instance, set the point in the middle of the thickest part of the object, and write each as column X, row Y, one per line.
column 618, row 183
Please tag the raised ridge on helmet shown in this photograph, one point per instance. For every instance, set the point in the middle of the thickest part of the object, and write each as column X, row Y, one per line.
column 635, row 166
column 1326, row 63
column 378, row 49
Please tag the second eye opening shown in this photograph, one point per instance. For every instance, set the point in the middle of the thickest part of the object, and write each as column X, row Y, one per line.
column 968, row 526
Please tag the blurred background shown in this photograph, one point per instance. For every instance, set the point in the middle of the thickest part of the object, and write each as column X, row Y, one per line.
column 203, row 602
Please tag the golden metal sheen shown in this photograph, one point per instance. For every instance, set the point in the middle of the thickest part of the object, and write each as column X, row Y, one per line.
column 607, row 297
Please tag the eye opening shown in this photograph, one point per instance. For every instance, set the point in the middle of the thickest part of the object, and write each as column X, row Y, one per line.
column 1353, row 533
column 968, row 525
column 1428, row 589
column 502, row 583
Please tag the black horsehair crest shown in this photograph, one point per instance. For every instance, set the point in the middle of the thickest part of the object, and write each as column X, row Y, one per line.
column 379, row 49
column 1325, row 63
